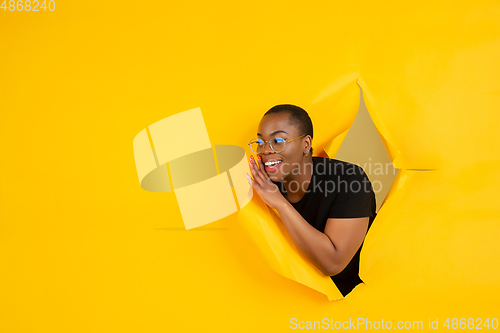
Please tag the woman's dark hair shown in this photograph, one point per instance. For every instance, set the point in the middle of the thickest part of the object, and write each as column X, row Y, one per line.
column 298, row 117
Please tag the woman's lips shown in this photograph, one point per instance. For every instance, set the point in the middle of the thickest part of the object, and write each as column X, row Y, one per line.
column 273, row 168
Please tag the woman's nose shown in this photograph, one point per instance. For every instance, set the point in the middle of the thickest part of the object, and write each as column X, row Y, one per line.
column 267, row 148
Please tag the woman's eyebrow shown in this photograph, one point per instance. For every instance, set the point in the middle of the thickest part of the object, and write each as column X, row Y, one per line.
column 275, row 132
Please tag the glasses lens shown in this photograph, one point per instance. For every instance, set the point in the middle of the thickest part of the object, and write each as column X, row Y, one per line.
column 278, row 144
column 257, row 146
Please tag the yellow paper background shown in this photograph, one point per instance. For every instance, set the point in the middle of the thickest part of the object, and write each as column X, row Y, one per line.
column 84, row 248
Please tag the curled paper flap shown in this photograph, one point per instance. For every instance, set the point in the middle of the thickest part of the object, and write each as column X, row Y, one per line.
column 266, row 230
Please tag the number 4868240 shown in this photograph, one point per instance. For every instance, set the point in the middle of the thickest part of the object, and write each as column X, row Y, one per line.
column 27, row 5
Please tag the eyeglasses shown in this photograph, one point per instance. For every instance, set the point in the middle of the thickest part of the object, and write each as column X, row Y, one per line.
column 277, row 144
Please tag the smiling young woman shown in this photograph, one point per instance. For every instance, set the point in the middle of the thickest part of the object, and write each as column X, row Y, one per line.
column 326, row 205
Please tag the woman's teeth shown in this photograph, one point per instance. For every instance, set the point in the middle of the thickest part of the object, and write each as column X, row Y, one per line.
column 272, row 163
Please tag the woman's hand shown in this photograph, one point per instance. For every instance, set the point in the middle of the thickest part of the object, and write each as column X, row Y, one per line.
column 267, row 190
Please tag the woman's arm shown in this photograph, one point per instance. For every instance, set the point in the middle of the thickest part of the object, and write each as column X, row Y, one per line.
column 330, row 251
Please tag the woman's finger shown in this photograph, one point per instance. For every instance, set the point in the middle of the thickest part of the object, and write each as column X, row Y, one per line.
column 262, row 167
column 254, row 170
column 250, row 180
column 259, row 173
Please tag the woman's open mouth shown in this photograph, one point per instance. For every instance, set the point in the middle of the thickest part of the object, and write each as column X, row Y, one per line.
column 272, row 166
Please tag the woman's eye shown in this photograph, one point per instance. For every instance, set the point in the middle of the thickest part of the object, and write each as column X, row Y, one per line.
column 279, row 140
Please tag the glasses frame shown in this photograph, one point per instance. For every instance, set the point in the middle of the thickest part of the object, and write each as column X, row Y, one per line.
column 270, row 144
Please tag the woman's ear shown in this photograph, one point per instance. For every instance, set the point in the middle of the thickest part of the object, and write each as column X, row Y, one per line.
column 308, row 143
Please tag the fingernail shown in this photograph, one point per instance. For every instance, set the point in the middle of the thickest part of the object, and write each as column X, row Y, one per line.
column 258, row 157
column 251, row 157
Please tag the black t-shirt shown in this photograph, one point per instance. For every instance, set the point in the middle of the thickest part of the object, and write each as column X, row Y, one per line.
column 337, row 189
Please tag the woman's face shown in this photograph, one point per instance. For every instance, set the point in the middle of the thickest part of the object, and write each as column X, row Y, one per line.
column 278, row 124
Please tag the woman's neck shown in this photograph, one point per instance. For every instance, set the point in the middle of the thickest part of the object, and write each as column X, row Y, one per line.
column 297, row 181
